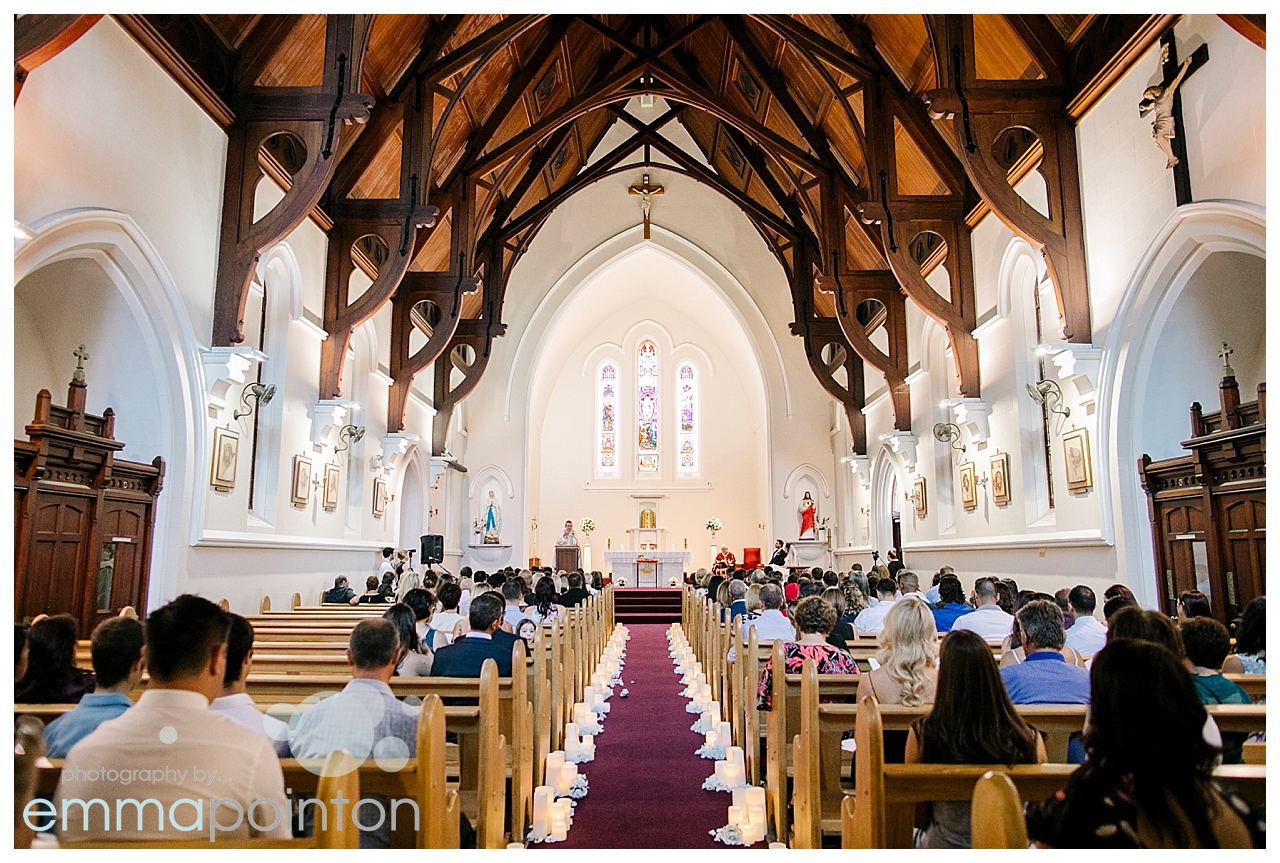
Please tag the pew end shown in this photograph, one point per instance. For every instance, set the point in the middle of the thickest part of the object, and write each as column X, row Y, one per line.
column 997, row 820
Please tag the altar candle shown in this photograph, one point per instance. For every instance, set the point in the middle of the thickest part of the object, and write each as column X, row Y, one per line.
column 555, row 761
column 543, row 796
column 733, row 754
column 725, row 735
column 736, row 816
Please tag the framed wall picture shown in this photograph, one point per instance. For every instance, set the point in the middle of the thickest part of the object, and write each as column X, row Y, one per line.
column 1000, row 493
column 332, row 476
column 921, row 499
column 379, row 497
column 300, row 493
column 226, row 455
column 968, row 486
column 1075, row 452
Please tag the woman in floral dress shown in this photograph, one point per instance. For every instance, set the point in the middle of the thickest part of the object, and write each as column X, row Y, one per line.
column 814, row 620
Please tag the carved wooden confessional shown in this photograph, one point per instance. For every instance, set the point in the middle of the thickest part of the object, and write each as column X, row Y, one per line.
column 1208, row 509
column 83, row 519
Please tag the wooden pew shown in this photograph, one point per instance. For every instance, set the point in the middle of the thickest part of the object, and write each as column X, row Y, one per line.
column 881, row 812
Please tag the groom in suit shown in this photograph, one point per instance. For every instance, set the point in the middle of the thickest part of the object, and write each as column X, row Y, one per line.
column 486, row 640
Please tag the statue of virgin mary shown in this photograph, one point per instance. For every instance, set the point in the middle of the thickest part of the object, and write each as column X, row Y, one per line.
column 492, row 522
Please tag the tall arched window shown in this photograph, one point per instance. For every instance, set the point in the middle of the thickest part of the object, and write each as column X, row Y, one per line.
column 687, row 419
column 647, row 407
column 607, row 437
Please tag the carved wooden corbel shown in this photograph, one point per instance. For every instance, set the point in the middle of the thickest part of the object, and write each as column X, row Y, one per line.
column 314, row 117
column 827, row 351
column 985, row 114
column 922, row 232
column 379, row 237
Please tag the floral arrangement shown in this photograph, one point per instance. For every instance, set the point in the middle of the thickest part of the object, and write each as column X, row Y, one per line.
column 714, row 525
column 587, row 525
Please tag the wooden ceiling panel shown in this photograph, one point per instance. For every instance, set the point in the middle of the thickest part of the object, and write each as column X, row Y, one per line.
column 903, row 41
column 473, row 304
column 527, row 42
column 299, row 62
column 824, row 302
column 393, row 44
column 860, row 252
column 232, row 28
column 805, row 83
column 382, row 178
column 583, row 52
column 844, row 141
column 915, row 175
column 434, row 255
column 471, row 27
column 516, row 121
column 825, row 25
column 708, row 44
column 1070, row 27
column 768, row 41
column 489, row 84
column 999, row 53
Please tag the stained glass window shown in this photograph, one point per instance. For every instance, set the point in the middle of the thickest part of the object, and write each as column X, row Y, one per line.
column 647, row 407
column 608, row 437
column 687, row 429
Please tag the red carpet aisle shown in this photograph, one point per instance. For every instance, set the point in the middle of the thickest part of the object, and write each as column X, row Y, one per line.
column 645, row 782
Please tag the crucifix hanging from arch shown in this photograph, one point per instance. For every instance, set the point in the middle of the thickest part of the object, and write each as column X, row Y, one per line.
column 646, row 191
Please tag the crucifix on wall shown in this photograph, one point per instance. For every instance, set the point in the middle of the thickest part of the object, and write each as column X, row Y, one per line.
column 1164, row 100
column 646, row 191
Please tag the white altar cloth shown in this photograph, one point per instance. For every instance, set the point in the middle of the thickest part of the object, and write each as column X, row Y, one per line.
column 670, row 564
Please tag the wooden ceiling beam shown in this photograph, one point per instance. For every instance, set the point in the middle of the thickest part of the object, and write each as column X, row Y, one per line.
column 1044, row 42
column 480, row 46
column 818, row 45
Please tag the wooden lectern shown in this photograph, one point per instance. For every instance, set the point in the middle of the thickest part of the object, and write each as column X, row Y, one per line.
column 567, row 557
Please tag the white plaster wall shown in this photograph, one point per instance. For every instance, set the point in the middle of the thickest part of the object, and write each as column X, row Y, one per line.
column 696, row 223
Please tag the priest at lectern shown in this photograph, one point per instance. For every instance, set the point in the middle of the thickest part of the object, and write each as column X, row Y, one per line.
column 568, row 537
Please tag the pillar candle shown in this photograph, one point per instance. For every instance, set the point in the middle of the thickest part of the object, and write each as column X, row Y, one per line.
column 580, row 713
column 721, row 766
column 568, row 773
column 588, row 746
column 736, row 816
column 754, row 797
column 543, row 796
column 711, row 738
column 555, row 761
column 725, row 735
column 733, row 754
column 740, row 799
column 713, row 708
column 747, row 831
column 755, row 814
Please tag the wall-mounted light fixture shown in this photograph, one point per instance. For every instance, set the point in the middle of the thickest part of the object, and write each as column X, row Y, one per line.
column 259, row 394
column 948, row 433
column 347, row 435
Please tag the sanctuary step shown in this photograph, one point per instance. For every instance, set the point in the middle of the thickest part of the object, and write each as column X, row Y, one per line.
column 647, row 604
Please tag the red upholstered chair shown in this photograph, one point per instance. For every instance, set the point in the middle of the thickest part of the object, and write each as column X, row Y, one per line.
column 751, row 558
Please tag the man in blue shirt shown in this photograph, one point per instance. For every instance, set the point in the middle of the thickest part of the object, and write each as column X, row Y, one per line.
column 119, row 658
column 1045, row 676
column 951, row 595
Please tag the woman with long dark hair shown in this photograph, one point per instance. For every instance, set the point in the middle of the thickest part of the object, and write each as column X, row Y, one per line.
column 51, row 676
column 972, row 722
column 546, row 602
column 413, row 662
column 1148, row 779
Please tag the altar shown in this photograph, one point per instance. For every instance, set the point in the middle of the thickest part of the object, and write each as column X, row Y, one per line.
column 647, row 568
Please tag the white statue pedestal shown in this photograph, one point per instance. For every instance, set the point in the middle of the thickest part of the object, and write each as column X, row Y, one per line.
column 809, row 553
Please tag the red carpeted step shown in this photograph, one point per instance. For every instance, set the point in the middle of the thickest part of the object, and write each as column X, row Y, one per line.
column 647, row 604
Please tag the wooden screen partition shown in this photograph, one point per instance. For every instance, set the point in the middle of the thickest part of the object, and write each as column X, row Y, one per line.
column 1208, row 508
column 83, row 519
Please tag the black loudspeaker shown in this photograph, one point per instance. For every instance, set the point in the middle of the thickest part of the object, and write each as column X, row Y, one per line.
column 433, row 548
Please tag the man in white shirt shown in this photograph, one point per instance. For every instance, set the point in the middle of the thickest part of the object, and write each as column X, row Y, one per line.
column 871, row 620
column 989, row 620
column 568, row 537
column 235, row 702
column 365, row 719
column 513, row 613
column 1086, row 636
column 169, row 762
column 909, row 586
column 770, row 624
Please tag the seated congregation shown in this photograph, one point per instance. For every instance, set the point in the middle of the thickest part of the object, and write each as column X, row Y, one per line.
column 989, row 679
column 179, row 710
